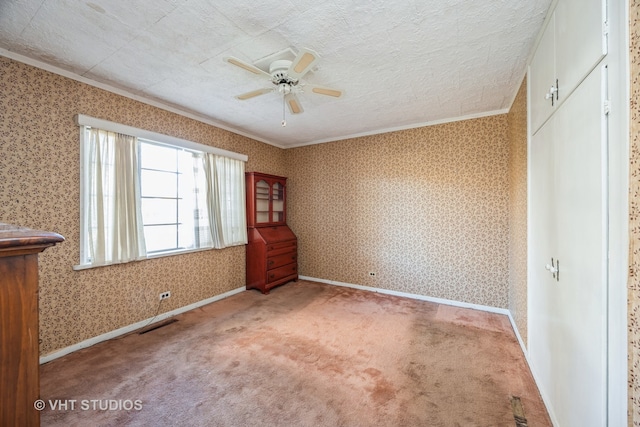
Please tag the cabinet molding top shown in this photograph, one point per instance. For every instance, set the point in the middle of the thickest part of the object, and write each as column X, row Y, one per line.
column 13, row 236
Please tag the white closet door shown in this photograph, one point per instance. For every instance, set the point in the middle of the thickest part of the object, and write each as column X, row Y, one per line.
column 542, row 76
column 542, row 245
column 580, row 41
column 580, row 374
column 568, row 316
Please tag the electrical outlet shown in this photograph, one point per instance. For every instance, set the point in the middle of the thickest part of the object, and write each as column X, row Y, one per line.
column 165, row 295
column 371, row 273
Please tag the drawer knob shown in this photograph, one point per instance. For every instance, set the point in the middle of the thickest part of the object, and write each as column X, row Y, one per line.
column 270, row 262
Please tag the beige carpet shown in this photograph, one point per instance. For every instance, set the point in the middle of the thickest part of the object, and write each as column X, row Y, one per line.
column 307, row 354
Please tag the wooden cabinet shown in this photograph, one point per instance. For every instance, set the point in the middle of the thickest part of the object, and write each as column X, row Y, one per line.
column 19, row 345
column 272, row 248
column 266, row 200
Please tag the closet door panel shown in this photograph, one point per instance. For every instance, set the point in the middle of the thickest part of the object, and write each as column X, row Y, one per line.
column 579, row 386
column 580, row 43
column 541, row 77
column 543, row 307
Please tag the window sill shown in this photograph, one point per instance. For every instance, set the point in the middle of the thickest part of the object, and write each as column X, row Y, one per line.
column 150, row 256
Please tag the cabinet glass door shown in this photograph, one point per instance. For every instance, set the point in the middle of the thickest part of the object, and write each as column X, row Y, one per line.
column 278, row 202
column 262, row 201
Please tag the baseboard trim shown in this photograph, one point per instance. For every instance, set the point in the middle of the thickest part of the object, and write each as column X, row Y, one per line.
column 412, row 296
column 130, row 328
column 525, row 351
column 520, row 340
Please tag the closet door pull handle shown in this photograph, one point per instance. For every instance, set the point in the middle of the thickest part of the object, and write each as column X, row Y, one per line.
column 554, row 269
column 553, row 90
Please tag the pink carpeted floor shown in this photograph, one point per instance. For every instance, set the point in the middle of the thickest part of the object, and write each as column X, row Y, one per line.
column 308, row 354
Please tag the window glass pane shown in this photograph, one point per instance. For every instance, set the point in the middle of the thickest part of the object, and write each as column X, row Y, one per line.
column 159, row 211
column 186, row 236
column 154, row 156
column 158, row 184
column 160, row 237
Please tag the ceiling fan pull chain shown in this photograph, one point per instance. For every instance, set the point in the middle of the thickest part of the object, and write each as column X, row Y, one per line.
column 284, row 121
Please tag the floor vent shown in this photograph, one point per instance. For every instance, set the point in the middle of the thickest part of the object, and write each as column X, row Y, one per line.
column 157, row 326
column 518, row 412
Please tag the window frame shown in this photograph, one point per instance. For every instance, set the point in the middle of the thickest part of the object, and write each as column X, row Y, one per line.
column 83, row 122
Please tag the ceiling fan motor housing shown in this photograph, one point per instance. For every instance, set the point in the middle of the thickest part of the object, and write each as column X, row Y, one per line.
column 278, row 70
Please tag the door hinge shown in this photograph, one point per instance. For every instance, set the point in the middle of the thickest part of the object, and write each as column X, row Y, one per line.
column 605, row 28
column 606, row 107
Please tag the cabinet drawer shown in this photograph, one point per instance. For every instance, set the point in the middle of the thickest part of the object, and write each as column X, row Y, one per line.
column 281, row 245
column 281, row 248
column 281, row 272
column 280, row 260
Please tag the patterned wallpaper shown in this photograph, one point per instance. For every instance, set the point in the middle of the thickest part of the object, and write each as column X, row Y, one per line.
column 39, row 188
column 425, row 209
column 517, row 120
column 634, row 216
column 428, row 210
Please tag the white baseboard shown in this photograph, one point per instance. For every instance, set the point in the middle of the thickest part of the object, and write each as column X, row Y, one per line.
column 532, row 368
column 520, row 340
column 130, row 328
column 413, row 296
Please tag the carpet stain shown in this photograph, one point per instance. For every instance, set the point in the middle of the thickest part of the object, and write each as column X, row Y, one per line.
column 383, row 390
column 235, row 329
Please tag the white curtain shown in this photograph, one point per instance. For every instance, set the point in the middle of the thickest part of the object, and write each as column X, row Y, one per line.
column 226, row 200
column 115, row 216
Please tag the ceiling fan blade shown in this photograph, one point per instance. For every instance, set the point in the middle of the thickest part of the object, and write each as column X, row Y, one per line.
column 294, row 103
column 251, row 68
column 322, row 90
column 303, row 63
column 253, row 94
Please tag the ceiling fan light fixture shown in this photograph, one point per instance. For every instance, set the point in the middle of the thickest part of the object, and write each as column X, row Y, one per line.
column 284, row 88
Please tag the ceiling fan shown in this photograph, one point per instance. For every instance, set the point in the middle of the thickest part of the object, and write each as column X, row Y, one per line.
column 286, row 77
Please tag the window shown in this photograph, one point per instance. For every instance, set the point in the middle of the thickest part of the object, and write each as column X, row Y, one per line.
column 147, row 195
column 173, row 190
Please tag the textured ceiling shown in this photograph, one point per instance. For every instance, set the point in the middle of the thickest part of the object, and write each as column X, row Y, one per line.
column 401, row 63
